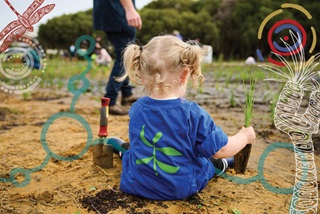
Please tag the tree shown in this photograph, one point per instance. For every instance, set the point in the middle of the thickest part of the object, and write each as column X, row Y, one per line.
column 224, row 24
column 156, row 22
column 240, row 30
column 62, row 31
column 178, row 5
column 191, row 18
column 199, row 26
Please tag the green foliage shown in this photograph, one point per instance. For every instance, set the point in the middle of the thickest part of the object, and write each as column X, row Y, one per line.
column 199, row 206
column 193, row 26
column 190, row 25
column 240, row 30
column 210, row 6
column 62, row 31
column 248, row 106
column 233, row 102
column 157, row 22
column 26, row 96
column 236, row 211
column 192, row 18
column 178, row 5
column 225, row 25
column 92, row 188
column 273, row 104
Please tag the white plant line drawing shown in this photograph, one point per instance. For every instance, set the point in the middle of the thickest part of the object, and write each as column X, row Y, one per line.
column 299, row 126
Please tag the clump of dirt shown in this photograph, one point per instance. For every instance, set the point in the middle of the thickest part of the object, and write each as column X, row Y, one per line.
column 3, row 112
column 46, row 96
column 112, row 199
column 44, row 196
column 8, row 113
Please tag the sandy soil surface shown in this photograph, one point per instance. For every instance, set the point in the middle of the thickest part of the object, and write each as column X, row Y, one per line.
column 80, row 187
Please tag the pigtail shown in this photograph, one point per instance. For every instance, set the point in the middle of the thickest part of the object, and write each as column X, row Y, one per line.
column 132, row 64
column 158, row 65
column 191, row 56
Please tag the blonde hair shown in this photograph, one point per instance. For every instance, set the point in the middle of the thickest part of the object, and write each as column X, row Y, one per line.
column 154, row 64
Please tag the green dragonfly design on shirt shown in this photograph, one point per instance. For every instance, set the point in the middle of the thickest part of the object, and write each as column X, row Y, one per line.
column 165, row 150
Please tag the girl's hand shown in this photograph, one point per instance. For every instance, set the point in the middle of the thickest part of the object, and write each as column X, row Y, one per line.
column 249, row 132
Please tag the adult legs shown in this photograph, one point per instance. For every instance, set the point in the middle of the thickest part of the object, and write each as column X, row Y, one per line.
column 119, row 41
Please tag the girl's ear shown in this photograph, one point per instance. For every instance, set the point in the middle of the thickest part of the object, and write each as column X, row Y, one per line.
column 184, row 75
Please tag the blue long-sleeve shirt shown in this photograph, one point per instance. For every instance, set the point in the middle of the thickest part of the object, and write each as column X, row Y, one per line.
column 170, row 143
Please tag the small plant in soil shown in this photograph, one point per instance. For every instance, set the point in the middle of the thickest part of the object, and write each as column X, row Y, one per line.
column 233, row 102
column 241, row 159
column 228, row 79
column 26, row 96
column 248, row 107
column 272, row 105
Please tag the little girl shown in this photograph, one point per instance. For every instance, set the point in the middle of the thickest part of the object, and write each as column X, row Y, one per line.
column 174, row 143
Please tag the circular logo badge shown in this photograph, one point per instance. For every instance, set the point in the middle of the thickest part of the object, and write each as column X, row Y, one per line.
column 22, row 66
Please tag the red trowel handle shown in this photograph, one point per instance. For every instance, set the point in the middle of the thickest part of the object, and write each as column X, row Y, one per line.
column 104, row 113
column 105, row 101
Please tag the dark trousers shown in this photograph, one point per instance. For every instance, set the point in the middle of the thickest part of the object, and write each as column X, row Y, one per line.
column 119, row 41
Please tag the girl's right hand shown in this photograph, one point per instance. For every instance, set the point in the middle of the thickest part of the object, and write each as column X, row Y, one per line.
column 249, row 132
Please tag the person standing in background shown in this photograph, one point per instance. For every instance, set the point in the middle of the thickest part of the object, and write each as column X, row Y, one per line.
column 119, row 19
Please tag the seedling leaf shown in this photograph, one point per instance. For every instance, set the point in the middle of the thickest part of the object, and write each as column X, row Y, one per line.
column 144, row 160
column 236, row 211
column 157, row 137
column 169, row 151
column 167, row 168
column 93, row 189
column 144, row 140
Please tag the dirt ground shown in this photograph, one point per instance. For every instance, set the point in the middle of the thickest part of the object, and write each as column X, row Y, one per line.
column 80, row 187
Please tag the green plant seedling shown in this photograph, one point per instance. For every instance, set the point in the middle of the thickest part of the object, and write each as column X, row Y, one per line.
column 236, row 211
column 241, row 159
column 26, row 96
column 233, row 102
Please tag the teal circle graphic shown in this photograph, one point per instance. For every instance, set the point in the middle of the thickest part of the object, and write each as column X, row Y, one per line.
column 262, row 160
column 24, row 172
column 92, row 43
column 260, row 177
column 49, row 122
column 83, row 89
column 77, row 92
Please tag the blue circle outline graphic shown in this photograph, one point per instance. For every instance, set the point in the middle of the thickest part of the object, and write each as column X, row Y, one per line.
column 292, row 47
